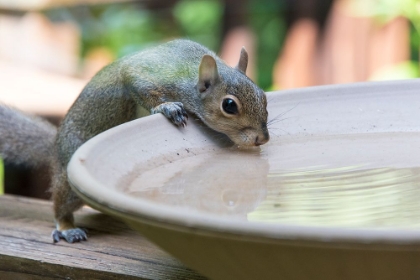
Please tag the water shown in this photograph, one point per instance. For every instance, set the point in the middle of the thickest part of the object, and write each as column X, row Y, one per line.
column 345, row 180
column 350, row 196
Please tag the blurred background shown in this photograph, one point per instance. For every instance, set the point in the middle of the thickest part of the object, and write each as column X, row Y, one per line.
column 49, row 49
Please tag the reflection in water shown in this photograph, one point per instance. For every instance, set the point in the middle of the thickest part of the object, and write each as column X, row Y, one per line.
column 232, row 184
column 343, row 197
column 356, row 180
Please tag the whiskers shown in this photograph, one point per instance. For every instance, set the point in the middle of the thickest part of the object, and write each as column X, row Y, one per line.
column 278, row 119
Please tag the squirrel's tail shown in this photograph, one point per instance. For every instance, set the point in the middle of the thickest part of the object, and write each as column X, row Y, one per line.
column 24, row 139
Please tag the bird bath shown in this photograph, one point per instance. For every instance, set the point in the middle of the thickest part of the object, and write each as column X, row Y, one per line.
column 335, row 193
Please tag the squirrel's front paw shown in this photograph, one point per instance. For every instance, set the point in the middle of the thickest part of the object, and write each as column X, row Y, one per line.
column 70, row 235
column 174, row 111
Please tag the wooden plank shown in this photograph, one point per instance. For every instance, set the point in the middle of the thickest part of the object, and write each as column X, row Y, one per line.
column 113, row 251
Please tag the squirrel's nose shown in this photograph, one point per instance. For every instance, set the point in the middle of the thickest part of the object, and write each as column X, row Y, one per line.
column 261, row 139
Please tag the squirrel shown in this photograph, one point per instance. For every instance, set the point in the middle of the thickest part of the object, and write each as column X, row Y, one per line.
column 173, row 78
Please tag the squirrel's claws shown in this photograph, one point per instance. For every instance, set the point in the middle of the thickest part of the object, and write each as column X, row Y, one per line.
column 56, row 235
column 174, row 111
column 70, row 235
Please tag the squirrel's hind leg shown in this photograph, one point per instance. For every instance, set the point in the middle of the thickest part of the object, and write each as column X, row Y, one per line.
column 65, row 203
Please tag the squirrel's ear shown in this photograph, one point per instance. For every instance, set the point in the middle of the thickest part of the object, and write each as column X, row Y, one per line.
column 243, row 61
column 207, row 73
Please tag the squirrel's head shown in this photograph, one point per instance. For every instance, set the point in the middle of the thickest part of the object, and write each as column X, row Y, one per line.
column 232, row 103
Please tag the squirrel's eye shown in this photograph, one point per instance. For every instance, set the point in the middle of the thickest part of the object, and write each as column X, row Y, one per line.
column 230, row 106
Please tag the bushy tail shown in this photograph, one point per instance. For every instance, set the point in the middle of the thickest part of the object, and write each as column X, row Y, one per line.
column 25, row 139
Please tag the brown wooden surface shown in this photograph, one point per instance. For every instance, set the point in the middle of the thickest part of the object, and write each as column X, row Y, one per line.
column 113, row 251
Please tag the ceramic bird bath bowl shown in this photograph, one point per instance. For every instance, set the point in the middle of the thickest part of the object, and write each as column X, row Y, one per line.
column 335, row 194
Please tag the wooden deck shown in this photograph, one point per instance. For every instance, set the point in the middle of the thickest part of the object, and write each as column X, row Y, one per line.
column 113, row 251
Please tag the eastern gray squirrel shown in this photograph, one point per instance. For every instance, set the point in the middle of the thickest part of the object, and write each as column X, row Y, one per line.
column 173, row 78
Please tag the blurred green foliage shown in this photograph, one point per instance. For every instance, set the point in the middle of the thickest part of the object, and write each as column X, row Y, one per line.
column 404, row 70
column 269, row 25
column 414, row 43
column 200, row 21
column 122, row 29
column 127, row 27
column 384, row 11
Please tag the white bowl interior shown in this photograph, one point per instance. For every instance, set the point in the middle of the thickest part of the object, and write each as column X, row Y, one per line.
column 341, row 166
column 327, row 144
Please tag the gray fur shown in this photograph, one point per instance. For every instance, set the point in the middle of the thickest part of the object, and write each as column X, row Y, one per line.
column 24, row 139
column 171, row 78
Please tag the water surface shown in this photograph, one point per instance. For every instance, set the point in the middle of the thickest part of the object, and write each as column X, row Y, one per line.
column 369, row 180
